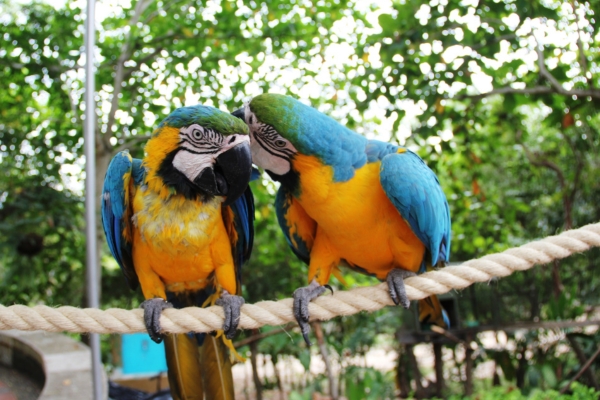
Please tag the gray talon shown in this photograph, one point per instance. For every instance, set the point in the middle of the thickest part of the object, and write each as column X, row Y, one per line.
column 302, row 297
column 232, row 305
column 152, row 310
column 395, row 281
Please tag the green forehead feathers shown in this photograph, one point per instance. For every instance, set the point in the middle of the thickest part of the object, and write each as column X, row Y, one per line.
column 208, row 117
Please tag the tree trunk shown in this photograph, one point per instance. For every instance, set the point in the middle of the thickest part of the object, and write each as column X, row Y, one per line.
column 414, row 367
column 439, row 369
column 253, row 354
column 402, row 382
column 521, row 368
column 468, row 367
column 333, row 389
column 278, row 379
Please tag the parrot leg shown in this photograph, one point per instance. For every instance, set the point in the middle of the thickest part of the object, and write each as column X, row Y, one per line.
column 302, row 297
column 395, row 281
column 232, row 305
column 152, row 310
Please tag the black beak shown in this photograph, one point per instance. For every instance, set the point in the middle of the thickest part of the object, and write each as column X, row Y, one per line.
column 240, row 114
column 230, row 175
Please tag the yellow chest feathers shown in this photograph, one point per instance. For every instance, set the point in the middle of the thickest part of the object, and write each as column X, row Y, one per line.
column 176, row 220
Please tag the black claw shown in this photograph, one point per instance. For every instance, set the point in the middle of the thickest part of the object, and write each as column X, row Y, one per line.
column 302, row 298
column 395, row 281
column 306, row 339
column 232, row 309
column 152, row 310
column 329, row 287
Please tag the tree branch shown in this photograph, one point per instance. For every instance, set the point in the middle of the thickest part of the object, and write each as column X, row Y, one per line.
column 581, row 371
column 544, row 71
column 126, row 50
column 142, row 61
column 594, row 93
column 582, row 61
column 132, row 140
column 164, row 8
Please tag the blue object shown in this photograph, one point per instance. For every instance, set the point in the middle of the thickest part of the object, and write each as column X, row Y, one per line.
column 141, row 355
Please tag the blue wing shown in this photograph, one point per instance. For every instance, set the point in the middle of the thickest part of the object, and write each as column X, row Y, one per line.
column 243, row 224
column 123, row 173
column 415, row 191
column 299, row 229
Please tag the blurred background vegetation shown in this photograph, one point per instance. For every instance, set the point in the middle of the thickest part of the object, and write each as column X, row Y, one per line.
column 499, row 97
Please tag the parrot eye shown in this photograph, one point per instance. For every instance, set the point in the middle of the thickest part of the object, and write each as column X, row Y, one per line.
column 280, row 143
column 197, row 134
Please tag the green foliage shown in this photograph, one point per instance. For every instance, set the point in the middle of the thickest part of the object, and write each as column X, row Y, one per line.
column 578, row 392
column 457, row 81
column 368, row 383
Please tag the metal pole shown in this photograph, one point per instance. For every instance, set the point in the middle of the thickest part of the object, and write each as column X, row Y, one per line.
column 90, row 193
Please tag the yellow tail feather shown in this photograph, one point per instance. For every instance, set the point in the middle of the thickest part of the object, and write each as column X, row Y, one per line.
column 216, row 365
column 431, row 312
column 183, row 361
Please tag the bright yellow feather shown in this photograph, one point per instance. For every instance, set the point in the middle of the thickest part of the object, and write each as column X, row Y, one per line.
column 157, row 149
column 179, row 243
column 356, row 222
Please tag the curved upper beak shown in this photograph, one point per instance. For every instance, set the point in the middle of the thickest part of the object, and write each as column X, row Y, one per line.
column 235, row 165
column 241, row 114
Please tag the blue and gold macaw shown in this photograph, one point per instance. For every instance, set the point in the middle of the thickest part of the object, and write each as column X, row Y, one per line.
column 345, row 200
column 180, row 225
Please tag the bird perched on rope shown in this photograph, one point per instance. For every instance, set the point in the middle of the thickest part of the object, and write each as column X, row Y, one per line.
column 345, row 200
column 180, row 225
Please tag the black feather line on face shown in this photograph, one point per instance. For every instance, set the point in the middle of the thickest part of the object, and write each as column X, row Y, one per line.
column 268, row 148
column 173, row 178
column 266, row 136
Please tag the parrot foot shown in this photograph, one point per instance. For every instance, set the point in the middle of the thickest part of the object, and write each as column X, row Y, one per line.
column 302, row 297
column 232, row 305
column 152, row 310
column 395, row 281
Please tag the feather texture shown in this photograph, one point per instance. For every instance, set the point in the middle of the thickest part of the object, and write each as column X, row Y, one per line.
column 371, row 205
column 122, row 176
column 183, row 361
column 180, row 244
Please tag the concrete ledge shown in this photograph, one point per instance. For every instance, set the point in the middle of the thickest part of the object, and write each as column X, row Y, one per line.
column 62, row 364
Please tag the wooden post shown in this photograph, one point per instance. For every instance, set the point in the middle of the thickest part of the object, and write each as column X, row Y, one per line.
column 439, row 369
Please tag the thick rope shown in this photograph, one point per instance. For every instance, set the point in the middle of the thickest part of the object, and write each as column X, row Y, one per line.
column 348, row 302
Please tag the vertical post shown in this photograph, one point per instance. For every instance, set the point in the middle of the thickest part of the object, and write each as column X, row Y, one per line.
column 90, row 195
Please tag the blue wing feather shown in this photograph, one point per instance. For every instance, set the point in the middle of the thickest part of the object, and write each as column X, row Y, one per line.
column 121, row 170
column 243, row 212
column 297, row 243
column 415, row 191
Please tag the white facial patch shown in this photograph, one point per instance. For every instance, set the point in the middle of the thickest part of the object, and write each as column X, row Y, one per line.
column 266, row 160
column 200, row 147
column 191, row 164
column 270, row 150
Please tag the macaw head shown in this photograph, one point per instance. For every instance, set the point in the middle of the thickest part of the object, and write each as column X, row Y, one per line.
column 199, row 151
column 281, row 128
column 270, row 132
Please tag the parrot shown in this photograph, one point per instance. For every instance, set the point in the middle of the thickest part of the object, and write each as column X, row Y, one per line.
column 180, row 222
column 344, row 200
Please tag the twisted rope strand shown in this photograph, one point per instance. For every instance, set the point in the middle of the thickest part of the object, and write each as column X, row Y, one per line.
column 114, row 320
